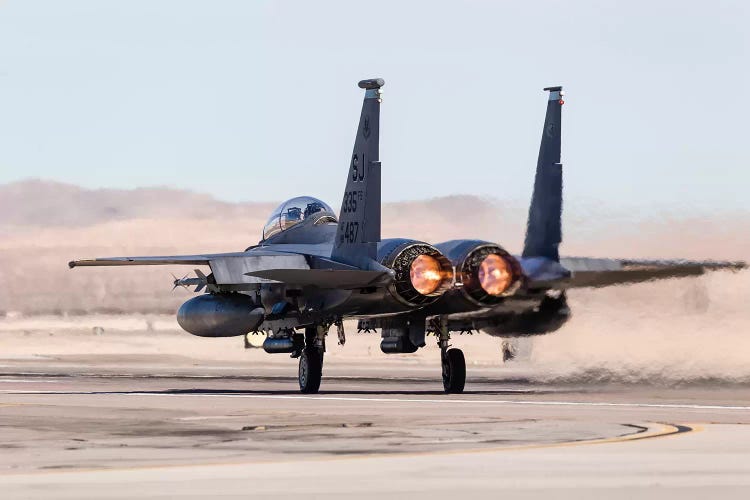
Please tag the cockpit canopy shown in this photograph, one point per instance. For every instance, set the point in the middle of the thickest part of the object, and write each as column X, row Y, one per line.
column 292, row 212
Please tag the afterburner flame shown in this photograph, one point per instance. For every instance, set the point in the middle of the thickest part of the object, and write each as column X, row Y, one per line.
column 495, row 275
column 425, row 274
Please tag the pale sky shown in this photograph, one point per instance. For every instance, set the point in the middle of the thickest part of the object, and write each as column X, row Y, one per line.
column 258, row 100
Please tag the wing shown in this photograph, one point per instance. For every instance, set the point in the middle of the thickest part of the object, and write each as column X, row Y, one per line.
column 228, row 269
column 191, row 260
column 260, row 266
column 590, row 272
column 196, row 260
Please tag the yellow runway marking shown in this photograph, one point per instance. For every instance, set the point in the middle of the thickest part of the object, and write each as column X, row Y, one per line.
column 664, row 431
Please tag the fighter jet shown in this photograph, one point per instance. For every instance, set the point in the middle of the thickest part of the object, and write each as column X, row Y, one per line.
column 315, row 268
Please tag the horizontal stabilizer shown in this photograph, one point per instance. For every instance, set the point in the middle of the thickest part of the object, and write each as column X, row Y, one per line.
column 589, row 272
column 325, row 278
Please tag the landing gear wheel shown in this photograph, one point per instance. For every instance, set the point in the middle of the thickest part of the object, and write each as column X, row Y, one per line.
column 310, row 370
column 454, row 371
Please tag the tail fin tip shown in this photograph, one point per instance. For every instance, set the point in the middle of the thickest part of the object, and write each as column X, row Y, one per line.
column 371, row 83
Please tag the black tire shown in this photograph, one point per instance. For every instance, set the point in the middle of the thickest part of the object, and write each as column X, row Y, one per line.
column 310, row 370
column 454, row 371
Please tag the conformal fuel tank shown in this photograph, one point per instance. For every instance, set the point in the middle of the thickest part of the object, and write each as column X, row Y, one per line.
column 220, row 315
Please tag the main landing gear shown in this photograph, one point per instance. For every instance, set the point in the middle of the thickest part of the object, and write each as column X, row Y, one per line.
column 312, row 351
column 452, row 360
column 311, row 360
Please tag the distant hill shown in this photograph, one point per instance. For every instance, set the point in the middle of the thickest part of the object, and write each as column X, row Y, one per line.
column 44, row 203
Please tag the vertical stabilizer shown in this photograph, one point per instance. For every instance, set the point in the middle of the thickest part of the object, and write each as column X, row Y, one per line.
column 358, row 231
column 544, row 227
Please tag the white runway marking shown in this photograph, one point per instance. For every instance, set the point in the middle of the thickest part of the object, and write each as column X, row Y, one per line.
column 401, row 400
column 27, row 381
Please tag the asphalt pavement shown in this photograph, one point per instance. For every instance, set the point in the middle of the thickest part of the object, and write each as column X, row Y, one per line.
column 110, row 430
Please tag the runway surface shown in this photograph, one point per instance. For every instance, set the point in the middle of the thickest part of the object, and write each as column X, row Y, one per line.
column 105, row 430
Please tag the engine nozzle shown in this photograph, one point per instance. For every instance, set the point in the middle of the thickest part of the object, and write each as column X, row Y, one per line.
column 421, row 272
column 485, row 272
column 425, row 274
column 495, row 275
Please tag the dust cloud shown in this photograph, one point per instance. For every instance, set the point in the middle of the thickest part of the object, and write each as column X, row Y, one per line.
column 694, row 330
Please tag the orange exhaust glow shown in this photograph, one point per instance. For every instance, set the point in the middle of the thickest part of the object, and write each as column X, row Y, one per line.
column 495, row 275
column 425, row 274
